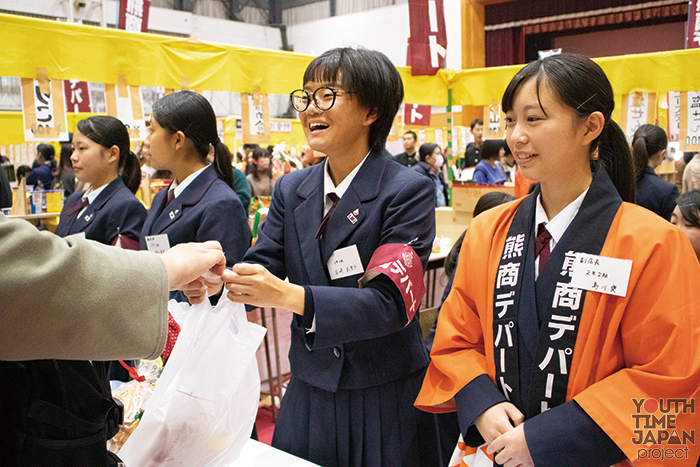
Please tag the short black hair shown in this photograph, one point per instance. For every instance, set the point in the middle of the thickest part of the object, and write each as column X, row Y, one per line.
column 475, row 122
column 411, row 132
column 370, row 76
column 491, row 148
column 689, row 205
column 47, row 151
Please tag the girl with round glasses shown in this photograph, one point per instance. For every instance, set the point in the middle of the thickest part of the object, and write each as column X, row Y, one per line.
column 356, row 355
column 572, row 305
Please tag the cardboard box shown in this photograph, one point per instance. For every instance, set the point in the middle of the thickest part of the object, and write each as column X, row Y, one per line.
column 464, row 197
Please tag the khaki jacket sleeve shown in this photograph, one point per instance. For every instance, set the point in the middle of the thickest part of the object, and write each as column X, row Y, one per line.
column 78, row 299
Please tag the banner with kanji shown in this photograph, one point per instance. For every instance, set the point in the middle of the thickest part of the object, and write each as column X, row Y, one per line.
column 44, row 110
column 132, row 15
column 494, row 122
column 689, row 135
column 124, row 102
column 692, row 32
column 427, row 43
column 256, row 118
column 638, row 108
column 673, row 116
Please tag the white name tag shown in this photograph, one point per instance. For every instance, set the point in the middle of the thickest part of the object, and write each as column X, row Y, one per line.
column 345, row 262
column 76, row 236
column 158, row 243
column 601, row 274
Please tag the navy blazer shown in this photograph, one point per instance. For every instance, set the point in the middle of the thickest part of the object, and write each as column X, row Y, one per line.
column 656, row 194
column 424, row 169
column 361, row 337
column 115, row 211
column 208, row 209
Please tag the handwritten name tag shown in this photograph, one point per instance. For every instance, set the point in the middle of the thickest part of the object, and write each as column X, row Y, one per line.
column 601, row 274
column 345, row 262
column 158, row 243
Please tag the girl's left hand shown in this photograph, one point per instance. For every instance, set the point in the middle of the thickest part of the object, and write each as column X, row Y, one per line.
column 254, row 285
column 512, row 449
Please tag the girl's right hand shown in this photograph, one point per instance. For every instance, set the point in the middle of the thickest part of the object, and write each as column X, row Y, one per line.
column 498, row 420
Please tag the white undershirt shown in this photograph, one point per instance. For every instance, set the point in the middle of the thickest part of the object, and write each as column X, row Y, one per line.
column 558, row 225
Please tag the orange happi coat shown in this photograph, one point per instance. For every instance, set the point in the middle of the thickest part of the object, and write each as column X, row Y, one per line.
column 628, row 349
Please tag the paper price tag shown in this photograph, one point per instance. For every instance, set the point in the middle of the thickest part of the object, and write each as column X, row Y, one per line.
column 601, row 274
column 345, row 262
column 158, row 243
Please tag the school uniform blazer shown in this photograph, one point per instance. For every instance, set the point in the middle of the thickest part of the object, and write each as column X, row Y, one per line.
column 424, row 169
column 656, row 194
column 208, row 209
column 115, row 211
column 361, row 338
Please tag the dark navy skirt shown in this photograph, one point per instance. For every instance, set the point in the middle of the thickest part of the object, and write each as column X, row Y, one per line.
column 376, row 426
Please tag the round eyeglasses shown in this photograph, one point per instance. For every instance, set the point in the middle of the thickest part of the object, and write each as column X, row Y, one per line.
column 323, row 97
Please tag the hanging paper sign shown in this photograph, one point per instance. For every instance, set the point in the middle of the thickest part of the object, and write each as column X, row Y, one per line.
column 495, row 118
column 220, row 128
column 239, row 128
column 256, row 119
column 638, row 108
column 673, row 116
column 44, row 110
column 421, row 137
column 427, row 44
column 692, row 32
column 77, row 96
column 438, row 137
column 280, row 127
column 417, row 115
column 132, row 15
column 689, row 134
column 124, row 102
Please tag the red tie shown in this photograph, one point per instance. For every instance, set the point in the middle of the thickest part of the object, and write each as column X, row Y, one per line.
column 322, row 228
column 171, row 197
column 76, row 208
column 542, row 245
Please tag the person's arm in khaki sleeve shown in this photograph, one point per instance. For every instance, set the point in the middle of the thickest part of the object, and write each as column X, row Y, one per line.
column 78, row 299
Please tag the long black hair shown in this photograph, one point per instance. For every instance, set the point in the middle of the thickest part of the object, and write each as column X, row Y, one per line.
column 581, row 84
column 689, row 205
column 426, row 150
column 107, row 132
column 192, row 114
column 647, row 141
column 368, row 75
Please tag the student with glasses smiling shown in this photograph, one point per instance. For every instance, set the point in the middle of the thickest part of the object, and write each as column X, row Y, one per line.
column 356, row 354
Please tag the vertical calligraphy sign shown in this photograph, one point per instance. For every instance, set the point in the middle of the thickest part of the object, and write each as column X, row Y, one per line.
column 427, row 43
column 673, row 116
column 689, row 134
column 44, row 110
column 493, row 122
column 256, row 118
column 638, row 108
column 132, row 15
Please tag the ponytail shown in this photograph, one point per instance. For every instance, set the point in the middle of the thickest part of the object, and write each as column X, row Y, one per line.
column 223, row 162
column 131, row 170
column 614, row 155
column 647, row 141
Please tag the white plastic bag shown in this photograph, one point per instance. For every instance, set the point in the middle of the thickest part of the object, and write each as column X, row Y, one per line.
column 204, row 406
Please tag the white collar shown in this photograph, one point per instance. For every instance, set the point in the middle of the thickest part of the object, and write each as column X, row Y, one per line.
column 558, row 225
column 180, row 187
column 93, row 193
column 329, row 186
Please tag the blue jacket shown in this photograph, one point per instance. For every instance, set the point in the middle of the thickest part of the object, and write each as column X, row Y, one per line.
column 115, row 211
column 361, row 337
column 656, row 194
column 208, row 209
column 41, row 174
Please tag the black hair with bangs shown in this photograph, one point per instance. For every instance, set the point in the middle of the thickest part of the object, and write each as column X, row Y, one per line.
column 580, row 83
column 372, row 79
column 689, row 205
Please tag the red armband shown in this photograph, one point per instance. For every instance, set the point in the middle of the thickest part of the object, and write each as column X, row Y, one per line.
column 400, row 263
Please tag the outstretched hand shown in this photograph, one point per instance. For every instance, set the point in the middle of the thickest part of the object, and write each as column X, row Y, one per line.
column 254, row 285
column 186, row 263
